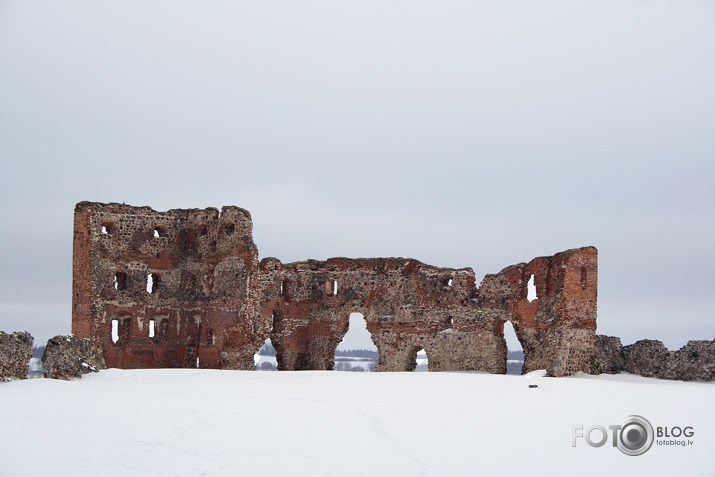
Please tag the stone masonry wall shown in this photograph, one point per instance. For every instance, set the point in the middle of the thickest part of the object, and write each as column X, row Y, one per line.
column 407, row 306
column 68, row 357
column 15, row 354
column 167, row 289
column 650, row 358
column 184, row 288
column 558, row 328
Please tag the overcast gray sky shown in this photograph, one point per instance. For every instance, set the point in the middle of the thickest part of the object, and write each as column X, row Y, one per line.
column 461, row 133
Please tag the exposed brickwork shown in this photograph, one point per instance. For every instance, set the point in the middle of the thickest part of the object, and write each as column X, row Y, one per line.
column 15, row 354
column 407, row 306
column 557, row 329
column 204, row 303
column 68, row 357
column 184, row 288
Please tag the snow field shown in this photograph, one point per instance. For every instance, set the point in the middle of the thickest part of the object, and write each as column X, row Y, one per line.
column 184, row 422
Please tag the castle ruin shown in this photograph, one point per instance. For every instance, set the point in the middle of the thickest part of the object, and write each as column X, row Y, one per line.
column 185, row 288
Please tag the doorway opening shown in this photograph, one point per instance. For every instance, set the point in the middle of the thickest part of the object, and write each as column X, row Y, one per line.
column 515, row 352
column 356, row 352
column 265, row 358
column 420, row 360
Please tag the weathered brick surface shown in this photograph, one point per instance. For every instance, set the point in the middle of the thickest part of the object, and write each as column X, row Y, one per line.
column 409, row 305
column 212, row 304
column 204, row 304
column 556, row 330
column 15, row 354
column 68, row 357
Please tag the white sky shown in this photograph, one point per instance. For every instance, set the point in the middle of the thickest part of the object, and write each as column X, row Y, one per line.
column 461, row 133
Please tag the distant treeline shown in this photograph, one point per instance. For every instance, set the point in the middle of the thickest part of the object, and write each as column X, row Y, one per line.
column 267, row 350
column 357, row 353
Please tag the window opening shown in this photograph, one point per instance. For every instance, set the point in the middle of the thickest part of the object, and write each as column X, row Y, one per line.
column 152, row 328
column 152, row 282
column 584, row 277
column 335, row 287
column 229, row 228
column 531, row 290
column 115, row 331
column 120, row 281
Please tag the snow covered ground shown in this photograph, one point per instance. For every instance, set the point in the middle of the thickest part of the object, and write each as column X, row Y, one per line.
column 227, row 423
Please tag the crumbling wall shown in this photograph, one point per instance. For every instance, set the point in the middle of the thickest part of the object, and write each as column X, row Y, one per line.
column 15, row 354
column 557, row 329
column 68, row 357
column 184, row 288
column 167, row 289
column 407, row 306
column 607, row 355
column 650, row 358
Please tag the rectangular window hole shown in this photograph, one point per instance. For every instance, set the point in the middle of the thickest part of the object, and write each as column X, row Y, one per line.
column 115, row 331
column 584, row 277
column 152, row 282
column 120, row 281
column 531, row 290
column 228, row 228
column 152, row 328
column 107, row 228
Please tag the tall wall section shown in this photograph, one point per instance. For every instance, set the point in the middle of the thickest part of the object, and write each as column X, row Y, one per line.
column 167, row 289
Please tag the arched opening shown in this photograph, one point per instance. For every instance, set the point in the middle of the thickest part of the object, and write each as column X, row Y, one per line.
column 265, row 358
column 356, row 352
column 515, row 353
column 421, row 361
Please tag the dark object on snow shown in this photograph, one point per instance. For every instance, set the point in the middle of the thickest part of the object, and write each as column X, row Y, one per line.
column 532, row 386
